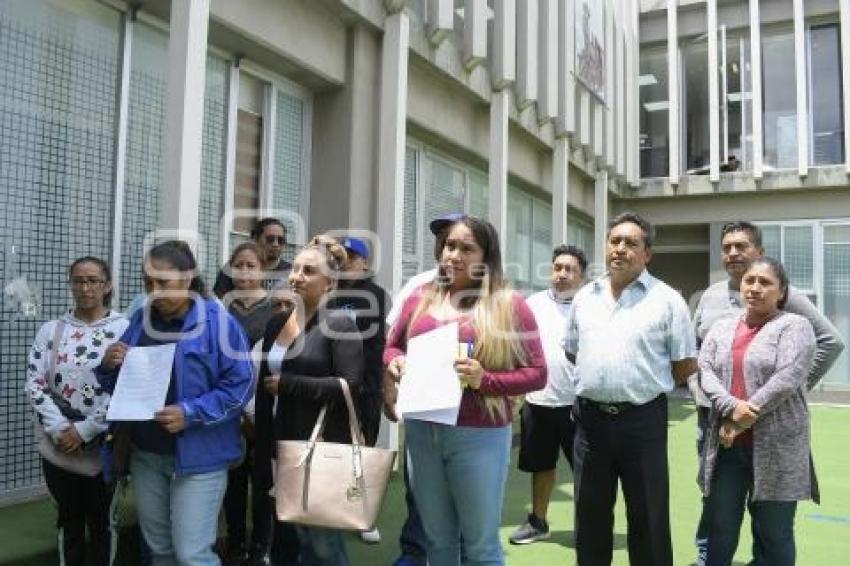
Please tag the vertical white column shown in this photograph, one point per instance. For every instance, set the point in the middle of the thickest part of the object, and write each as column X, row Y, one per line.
column 673, row 88
column 474, row 33
column 392, row 131
column 610, row 87
column 121, row 153
column 230, row 153
column 600, row 215
column 844, row 6
column 504, row 43
column 547, row 107
column 724, row 98
column 633, row 95
column 622, row 20
column 755, row 64
column 584, row 118
column 560, row 190
column 802, row 89
column 566, row 81
column 498, row 170
column 187, row 64
column 440, row 20
column 526, row 72
column 599, row 114
column 713, row 95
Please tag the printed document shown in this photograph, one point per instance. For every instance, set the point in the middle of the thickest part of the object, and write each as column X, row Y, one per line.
column 430, row 389
column 142, row 383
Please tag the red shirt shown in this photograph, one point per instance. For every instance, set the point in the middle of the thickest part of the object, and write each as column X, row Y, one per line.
column 494, row 383
column 744, row 335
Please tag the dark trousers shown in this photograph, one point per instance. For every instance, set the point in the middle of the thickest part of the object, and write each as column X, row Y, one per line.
column 83, row 502
column 630, row 447
column 731, row 490
column 236, row 506
column 703, row 527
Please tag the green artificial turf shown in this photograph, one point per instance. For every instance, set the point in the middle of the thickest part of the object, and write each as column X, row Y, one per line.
column 27, row 535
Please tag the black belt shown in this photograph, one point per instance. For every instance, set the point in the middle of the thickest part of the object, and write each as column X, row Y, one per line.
column 611, row 408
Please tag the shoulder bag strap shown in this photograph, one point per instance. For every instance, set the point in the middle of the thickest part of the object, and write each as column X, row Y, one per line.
column 353, row 424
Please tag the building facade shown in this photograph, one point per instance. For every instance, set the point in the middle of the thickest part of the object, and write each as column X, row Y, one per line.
column 547, row 116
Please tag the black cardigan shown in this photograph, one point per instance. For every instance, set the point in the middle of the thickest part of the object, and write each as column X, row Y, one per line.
column 330, row 347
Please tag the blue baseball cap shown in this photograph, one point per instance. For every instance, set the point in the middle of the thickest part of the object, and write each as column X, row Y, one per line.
column 357, row 246
column 442, row 222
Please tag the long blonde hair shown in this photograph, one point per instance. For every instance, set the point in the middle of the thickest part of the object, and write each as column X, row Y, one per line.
column 491, row 306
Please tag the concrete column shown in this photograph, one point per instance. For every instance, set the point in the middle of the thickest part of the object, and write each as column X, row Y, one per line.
column 713, row 95
column 230, row 155
column 610, row 87
column 600, row 215
column 121, row 152
column 504, row 43
column 526, row 72
column 566, row 81
column 802, row 89
column 560, row 190
column 755, row 64
column 498, row 169
column 547, row 107
column 187, row 64
column 392, row 132
column 844, row 6
column 441, row 20
column 621, row 137
column 673, row 88
column 474, row 33
column 584, row 125
column 599, row 115
column 632, row 95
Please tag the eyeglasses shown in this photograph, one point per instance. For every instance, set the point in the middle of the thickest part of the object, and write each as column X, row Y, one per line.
column 275, row 239
column 82, row 282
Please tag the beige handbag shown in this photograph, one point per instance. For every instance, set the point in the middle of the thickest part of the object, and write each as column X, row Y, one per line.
column 326, row 484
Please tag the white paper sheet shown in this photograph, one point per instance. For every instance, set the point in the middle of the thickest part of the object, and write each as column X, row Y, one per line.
column 430, row 389
column 142, row 383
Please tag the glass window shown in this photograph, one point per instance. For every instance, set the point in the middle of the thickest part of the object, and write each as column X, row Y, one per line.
column 836, row 294
column 58, row 85
column 580, row 234
column 410, row 259
column 528, row 241
column 213, row 146
column 826, row 103
column 143, row 170
column 736, row 102
column 249, row 151
column 289, row 183
column 654, row 112
column 780, row 99
column 695, row 115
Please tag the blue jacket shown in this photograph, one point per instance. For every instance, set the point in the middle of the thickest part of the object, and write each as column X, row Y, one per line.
column 212, row 385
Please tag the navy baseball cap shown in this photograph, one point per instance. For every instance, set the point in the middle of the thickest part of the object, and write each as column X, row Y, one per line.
column 357, row 246
column 442, row 222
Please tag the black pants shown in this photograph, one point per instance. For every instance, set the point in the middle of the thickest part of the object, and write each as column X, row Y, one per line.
column 236, row 506
column 83, row 502
column 631, row 447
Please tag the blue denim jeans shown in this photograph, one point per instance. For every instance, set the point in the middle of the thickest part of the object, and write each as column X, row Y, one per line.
column 458, row 478
column 321, row 547
column 731, row 490
column 178, row 515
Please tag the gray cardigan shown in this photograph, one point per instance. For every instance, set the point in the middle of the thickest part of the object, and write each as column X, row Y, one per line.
column 721, row 301
column 775, row 368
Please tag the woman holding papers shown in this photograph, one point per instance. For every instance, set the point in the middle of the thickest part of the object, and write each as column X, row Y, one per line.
column 179, row 459
column 307, row 354
column 71, row 406
column 458, row 472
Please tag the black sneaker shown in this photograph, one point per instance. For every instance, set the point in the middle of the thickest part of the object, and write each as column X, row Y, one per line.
column 532, row 530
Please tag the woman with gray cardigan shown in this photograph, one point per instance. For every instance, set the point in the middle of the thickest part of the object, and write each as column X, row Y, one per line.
column 753, row 369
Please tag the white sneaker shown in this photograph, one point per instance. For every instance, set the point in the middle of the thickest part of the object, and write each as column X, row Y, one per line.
column 371, row 537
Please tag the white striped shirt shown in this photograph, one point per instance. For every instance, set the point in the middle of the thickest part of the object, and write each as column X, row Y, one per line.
column 625, row 348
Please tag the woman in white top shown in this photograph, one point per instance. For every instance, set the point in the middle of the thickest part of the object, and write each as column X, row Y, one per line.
column 71, row 408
